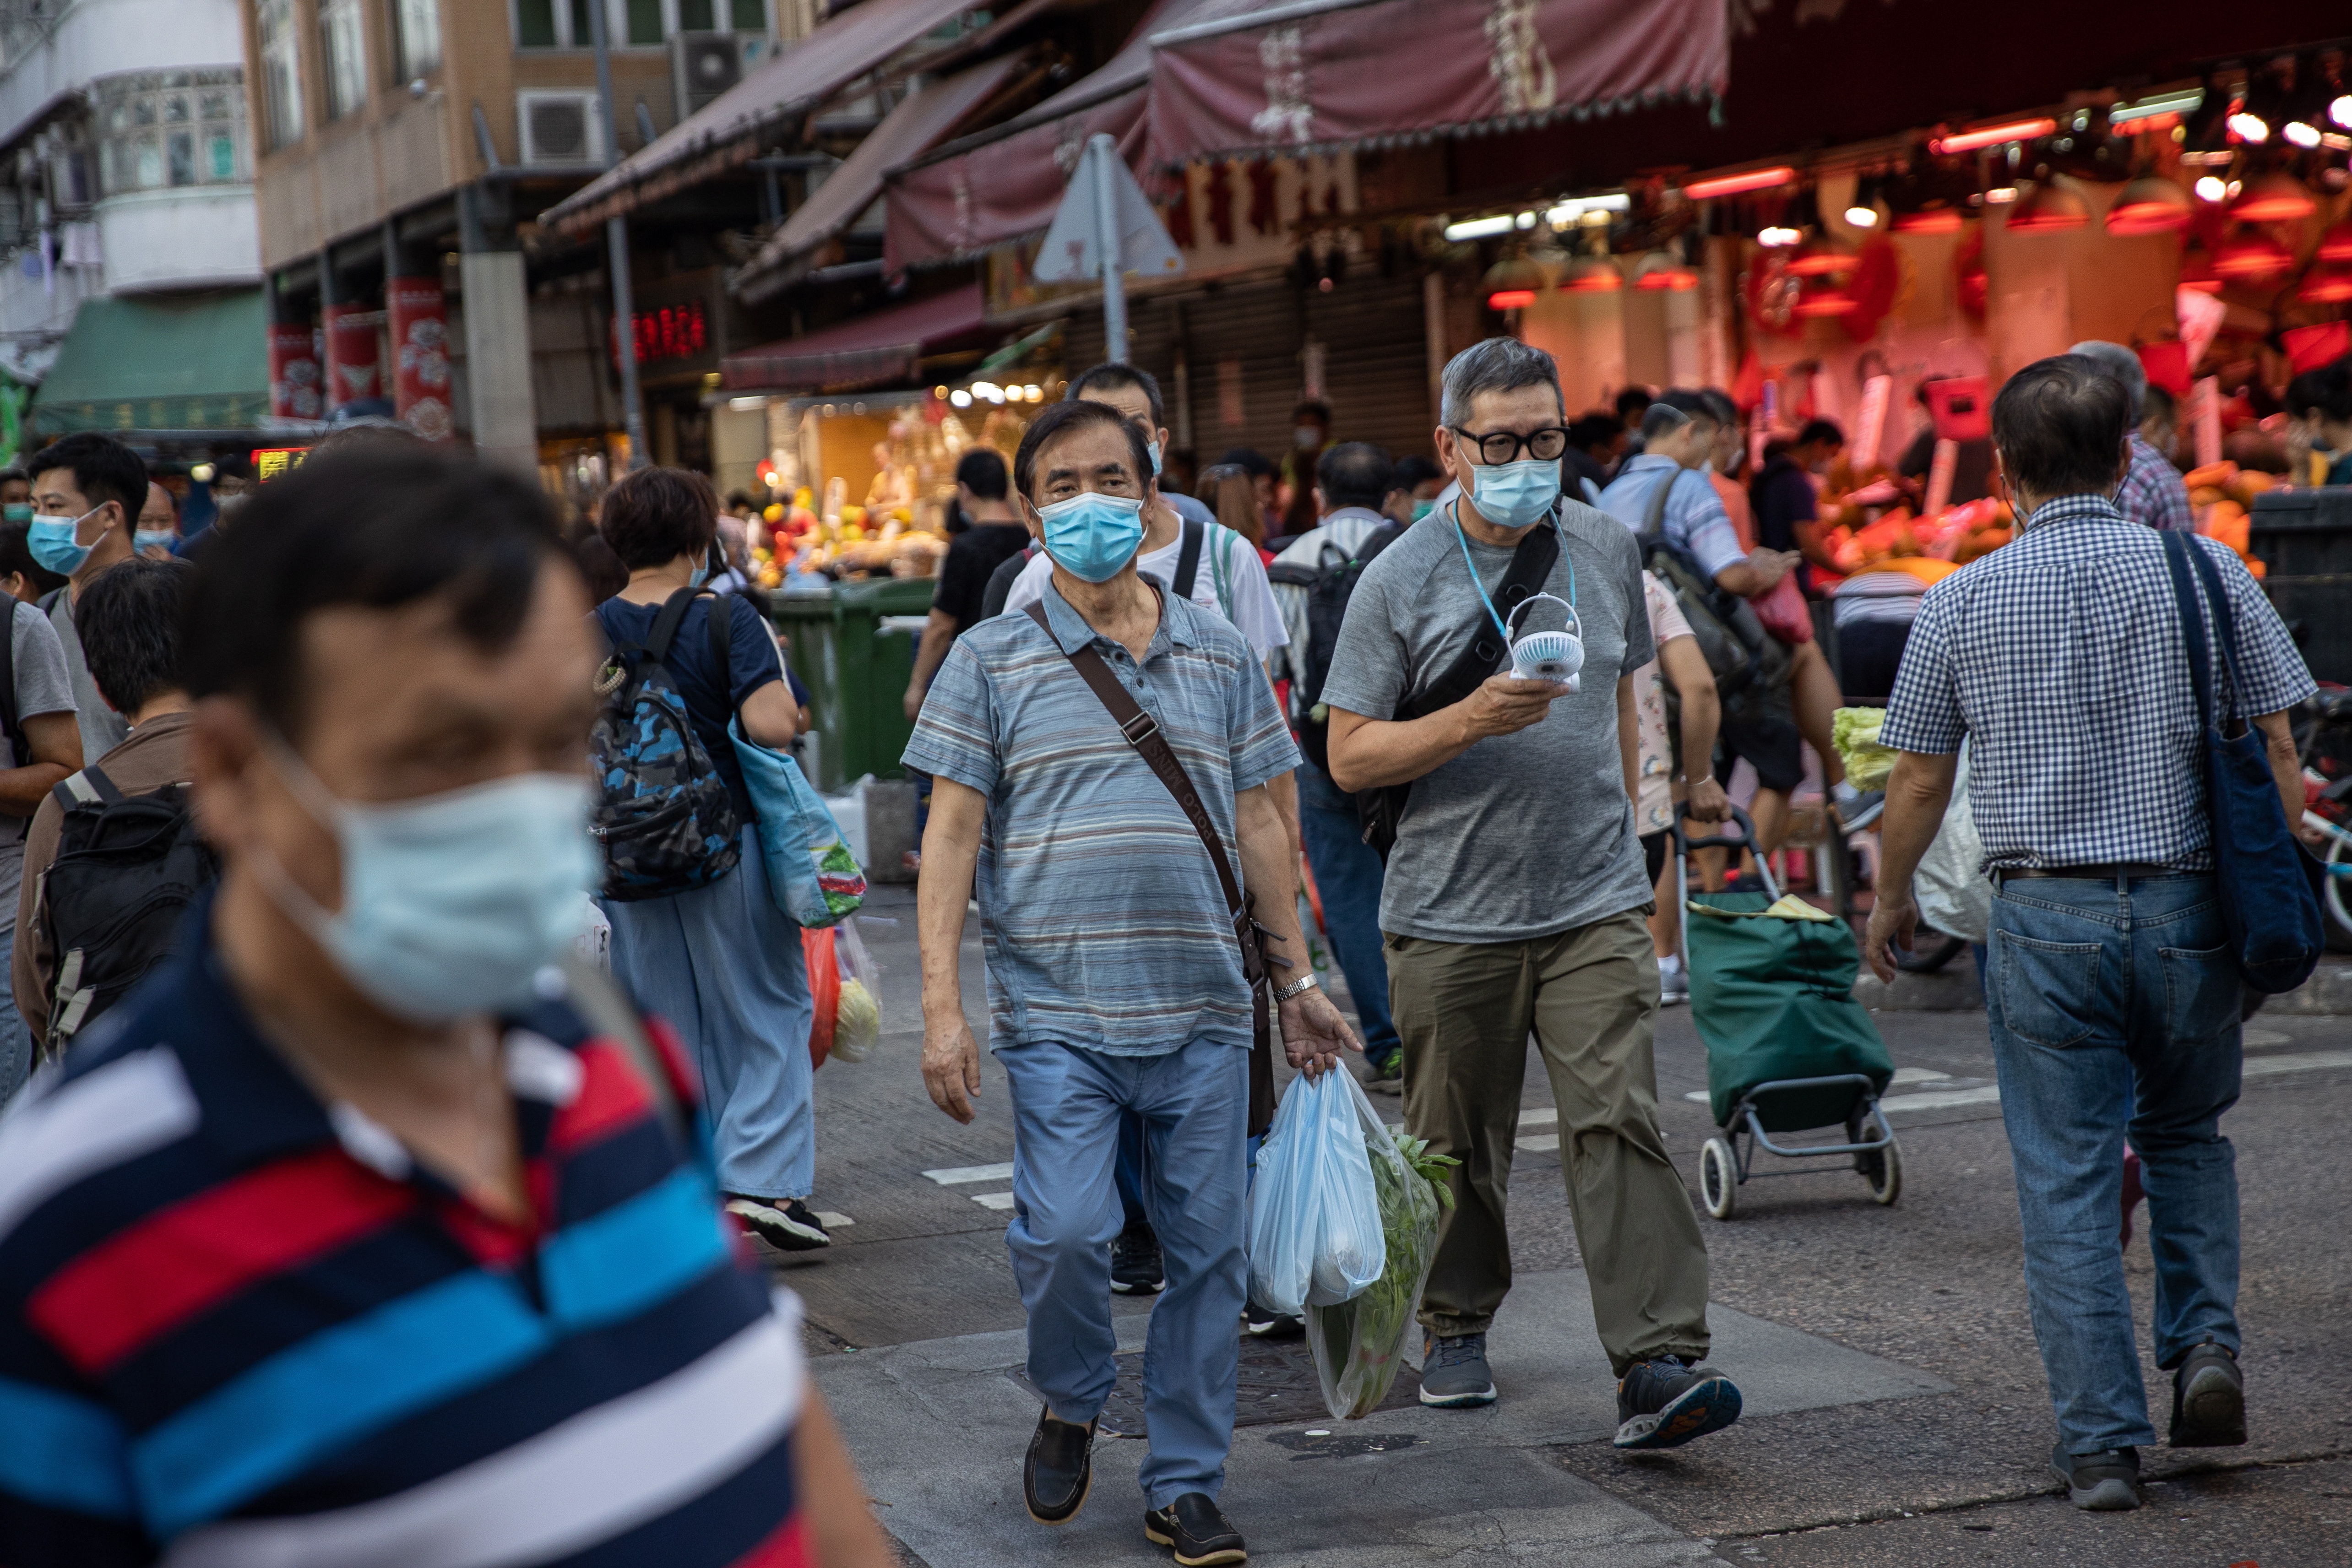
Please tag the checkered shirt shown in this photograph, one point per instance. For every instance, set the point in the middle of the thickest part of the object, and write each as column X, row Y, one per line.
column 2153, row 493
column 2060, row 656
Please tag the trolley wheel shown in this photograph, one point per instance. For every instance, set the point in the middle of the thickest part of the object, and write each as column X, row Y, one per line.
column 1882, row 1169
column 1718, row 1177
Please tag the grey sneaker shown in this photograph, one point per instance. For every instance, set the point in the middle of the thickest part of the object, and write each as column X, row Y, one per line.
column 2208, row 1400
column 1453, row 1370
column 2101, row 1483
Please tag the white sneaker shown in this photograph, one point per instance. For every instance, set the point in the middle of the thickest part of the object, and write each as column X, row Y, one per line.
column 787, row 1224
column 1673, row 986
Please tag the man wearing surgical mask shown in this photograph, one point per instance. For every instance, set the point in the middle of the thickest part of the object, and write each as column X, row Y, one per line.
column 429, row 1212
column 1114, row 983
column 87, row 492
column 1516, row 892
column 15, row 496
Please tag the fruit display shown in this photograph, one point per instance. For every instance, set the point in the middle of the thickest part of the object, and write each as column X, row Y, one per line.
column 2222, row 495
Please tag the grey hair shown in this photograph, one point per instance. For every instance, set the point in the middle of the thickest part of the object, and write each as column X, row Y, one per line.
column 1497, row 364
column 2115, row 360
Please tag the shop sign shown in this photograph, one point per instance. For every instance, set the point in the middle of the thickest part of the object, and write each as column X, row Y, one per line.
column 419, row 319
column 671, row 332
column 276, row 461
column 294, row 372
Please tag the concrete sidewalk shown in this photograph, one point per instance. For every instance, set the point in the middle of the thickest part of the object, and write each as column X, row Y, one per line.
column 939, row 1430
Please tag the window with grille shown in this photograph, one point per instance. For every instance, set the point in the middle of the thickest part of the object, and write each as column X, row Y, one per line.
column 643, row 23
column 161, row 128
column 342, row 52
column 417, row 32
column 281, row 71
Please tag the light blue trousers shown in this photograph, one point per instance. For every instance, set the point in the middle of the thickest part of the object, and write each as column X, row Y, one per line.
column 722, row 966
column 1194, row 1105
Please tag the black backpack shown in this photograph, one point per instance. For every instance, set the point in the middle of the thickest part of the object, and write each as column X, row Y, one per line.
column 110, row 903
column 1329, row 584
column 663, row 816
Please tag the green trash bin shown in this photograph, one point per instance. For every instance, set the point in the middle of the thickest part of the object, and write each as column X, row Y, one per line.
column 853, row 649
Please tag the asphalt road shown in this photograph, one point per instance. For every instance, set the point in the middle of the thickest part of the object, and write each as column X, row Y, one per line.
column 1932, row 1284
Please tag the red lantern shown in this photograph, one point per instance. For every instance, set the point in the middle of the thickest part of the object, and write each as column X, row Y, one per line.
column 2327, row 286
column 2336, row 245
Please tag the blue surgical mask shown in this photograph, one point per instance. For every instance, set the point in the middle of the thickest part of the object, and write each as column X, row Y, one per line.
column 1153, row 448
column 1421, row 509
column 1516, row 495
column 454, row 903
column 16, row 512
column 52, row 543
column 699, row 576
column 149, row 538
column 1091, row 535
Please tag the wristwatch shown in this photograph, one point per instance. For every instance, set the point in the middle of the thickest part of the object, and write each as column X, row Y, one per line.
column 1297, row 987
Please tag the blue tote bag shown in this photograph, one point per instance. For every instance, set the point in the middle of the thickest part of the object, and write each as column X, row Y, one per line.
column 812, row 875
column 2268, row 884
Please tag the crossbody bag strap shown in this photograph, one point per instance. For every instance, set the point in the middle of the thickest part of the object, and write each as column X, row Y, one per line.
column 2192, row 629
column 20, row 751
column 1188, row 559
column 1654, row 525
column 1531, row 568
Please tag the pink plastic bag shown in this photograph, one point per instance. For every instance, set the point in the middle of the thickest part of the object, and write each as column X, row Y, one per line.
column 1784, row 612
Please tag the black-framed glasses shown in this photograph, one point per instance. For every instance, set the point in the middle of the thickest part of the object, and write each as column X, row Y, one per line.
column 1546, row 445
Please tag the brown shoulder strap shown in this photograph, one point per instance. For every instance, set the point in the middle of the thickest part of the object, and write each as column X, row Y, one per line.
column 1142, row 732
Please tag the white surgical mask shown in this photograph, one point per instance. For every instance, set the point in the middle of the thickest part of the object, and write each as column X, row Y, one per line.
column 452, row 902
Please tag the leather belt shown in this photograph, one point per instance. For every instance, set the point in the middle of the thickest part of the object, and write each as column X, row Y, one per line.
column 2123, row 872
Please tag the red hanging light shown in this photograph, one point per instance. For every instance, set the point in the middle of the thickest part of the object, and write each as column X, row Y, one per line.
column 2275, row 198
column 2336, row 245
column 2251, row 259
column 2327, row 286
column 2150, row 204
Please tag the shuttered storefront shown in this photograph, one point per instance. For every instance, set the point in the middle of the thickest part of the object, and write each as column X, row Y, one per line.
column 1246, row 348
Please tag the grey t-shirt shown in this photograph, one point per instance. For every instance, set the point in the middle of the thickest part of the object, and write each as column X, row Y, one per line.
column 42, row 686
column 103, row 729
column 1523, row 835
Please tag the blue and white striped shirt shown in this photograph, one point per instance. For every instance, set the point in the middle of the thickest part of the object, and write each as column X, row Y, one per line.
column 1102, row 918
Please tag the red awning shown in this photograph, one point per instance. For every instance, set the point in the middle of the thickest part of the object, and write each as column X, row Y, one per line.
column 886, row 346
column 1320, row 75
column 1005, row 184
column 907, row 131
column 798, row 79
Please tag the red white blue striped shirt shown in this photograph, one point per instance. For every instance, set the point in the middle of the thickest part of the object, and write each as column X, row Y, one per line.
column 239, row 1326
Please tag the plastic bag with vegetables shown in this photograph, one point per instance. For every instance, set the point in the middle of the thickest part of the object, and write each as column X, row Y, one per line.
column 846, row 1018
column 1358, row 1344
column 1315, row 1220
column 1854, row 732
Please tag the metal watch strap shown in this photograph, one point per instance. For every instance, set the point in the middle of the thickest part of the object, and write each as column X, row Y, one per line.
column 1297, row 987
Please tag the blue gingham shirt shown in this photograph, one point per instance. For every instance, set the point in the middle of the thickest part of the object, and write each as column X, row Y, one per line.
column 2153, row 491
column 2060, row 657
column 1101, row 915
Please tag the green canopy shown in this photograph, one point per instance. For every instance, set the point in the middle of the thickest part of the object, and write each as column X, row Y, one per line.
column 197, row 361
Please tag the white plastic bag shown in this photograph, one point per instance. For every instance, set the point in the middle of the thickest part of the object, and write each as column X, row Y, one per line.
column 859, row 1024
column 1315, row 1219
column 1360, row 1344
column 1955, row 897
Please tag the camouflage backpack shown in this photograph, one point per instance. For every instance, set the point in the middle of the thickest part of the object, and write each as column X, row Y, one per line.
column 663, row 815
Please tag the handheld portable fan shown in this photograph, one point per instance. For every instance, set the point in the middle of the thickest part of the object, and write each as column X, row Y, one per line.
column 1548, row 656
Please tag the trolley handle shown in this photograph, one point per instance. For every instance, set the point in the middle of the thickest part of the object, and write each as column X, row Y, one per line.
column 1683, row 844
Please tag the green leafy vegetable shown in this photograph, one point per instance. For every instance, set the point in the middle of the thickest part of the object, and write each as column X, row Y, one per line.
column 1360, row 1344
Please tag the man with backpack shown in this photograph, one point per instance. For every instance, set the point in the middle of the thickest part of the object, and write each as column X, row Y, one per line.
column 1312, row 582
column 113, row 857
column 43, row 738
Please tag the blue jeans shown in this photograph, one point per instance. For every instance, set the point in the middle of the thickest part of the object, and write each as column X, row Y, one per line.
column 1348, row 873
column 1193, row 1102
column 2114, row 1008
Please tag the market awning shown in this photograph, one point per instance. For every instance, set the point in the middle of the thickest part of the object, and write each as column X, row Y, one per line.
column 886, row 346
column 1005, row 183
column 799, row 79
column 908, row 130
column 183, row 363
column 1317, row 76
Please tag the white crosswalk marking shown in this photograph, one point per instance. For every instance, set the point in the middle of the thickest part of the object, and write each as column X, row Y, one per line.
column 958, row 1176
column 833, row 1221
column 999, row 1201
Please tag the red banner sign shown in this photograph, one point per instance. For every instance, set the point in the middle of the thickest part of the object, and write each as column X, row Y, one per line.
column 419, row 319
column 354, row 368
column 294, row 372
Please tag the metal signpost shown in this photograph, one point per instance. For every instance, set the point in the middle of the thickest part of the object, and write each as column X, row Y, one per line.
column 1107, row 228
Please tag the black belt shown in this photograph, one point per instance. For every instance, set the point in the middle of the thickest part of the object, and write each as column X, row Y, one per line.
column 2126, row 870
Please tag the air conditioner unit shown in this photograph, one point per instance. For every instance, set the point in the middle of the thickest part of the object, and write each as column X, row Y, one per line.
column 561, row 127
column 704, row 65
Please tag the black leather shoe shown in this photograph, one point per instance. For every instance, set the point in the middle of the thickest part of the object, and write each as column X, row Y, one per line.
column 1202, row 1537
column 1058, row 1469
column 2208, row 1400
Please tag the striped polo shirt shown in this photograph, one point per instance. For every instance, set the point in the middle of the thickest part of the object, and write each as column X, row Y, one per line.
column 242, row 1327
column 1101, row 915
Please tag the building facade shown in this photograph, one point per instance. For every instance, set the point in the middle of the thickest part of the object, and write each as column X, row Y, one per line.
column 126, row 162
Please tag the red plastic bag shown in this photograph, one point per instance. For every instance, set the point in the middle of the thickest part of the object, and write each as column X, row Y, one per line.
column 825, row 990
column 1784, row 612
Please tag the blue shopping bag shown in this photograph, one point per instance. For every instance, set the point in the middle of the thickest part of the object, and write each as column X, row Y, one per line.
column 812, row 875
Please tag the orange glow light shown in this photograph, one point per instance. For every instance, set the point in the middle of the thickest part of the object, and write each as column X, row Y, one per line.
column 1510, row 299
column 1993, row 136
column 1733, row 184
